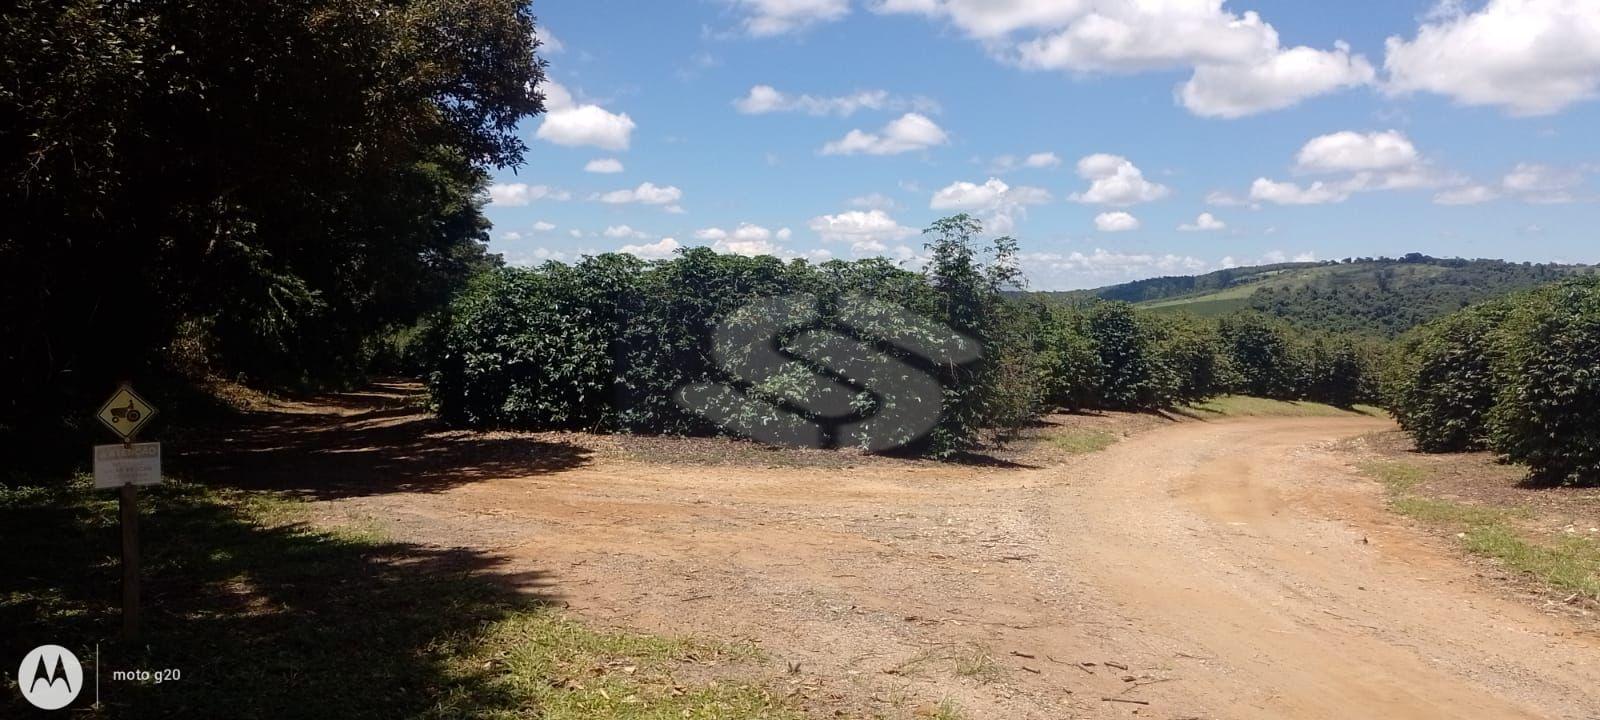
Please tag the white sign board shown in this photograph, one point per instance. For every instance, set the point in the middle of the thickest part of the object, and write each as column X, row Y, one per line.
column 118, row 465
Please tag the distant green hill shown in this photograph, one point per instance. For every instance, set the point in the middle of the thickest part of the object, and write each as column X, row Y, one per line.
column 1379, row 296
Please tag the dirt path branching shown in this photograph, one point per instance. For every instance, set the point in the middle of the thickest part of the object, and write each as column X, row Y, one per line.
column 1238, row 567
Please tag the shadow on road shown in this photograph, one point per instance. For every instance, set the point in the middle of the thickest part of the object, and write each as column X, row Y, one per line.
column 371, row 442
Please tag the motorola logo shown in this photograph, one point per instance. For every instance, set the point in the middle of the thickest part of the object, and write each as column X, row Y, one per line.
column 50, row 677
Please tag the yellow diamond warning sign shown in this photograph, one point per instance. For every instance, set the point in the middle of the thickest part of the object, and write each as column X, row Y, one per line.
column 126, row 412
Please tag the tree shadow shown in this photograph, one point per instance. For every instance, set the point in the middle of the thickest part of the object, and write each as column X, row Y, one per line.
column 368, row 442
column 263, row 619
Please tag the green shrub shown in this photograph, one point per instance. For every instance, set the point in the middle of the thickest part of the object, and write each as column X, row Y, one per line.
column 1547, row 408
column 1442, row 381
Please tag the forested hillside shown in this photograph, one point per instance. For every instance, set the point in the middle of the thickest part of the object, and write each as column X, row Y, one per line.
column 1373, row 296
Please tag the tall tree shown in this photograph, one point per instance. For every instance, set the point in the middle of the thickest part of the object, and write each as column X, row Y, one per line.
column 268, row 182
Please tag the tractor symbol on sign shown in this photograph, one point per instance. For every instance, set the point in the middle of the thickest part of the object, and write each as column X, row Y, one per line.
column 126, row 414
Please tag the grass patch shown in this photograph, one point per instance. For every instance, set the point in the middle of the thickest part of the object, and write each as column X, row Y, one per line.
column 978, row 664
column 1247, row 406
column 1570, row 564
column 268, row 616
column 1081, row 441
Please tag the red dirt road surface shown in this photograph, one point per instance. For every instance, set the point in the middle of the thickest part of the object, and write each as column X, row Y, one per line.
column 1224, row 569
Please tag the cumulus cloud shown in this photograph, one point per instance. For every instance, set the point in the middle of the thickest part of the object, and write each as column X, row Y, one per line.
column 997, row 203
column 1530, row 57
column 866, row 231
column 1282, row 80
column 1355, row 162
column 764, row 99
column 646, row 194
column 1206, row 222
column 542, row 226
column 1113, row 180
column 1288, row 193
column 520, row 194
column 663, row 248
column 570, row 123
column 624, row 231
column 603, row 165
column 1115, row 222
column 1239, row 65
column 912, row 131
column 537, row 256
column 1356, row 152
column 763, row 18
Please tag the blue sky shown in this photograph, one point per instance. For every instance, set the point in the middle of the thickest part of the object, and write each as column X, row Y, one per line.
column 1116, row 139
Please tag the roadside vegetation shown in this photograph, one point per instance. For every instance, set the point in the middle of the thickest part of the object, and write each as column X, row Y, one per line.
column 606, row 343
column 1569, row 563
column 267, row 616
column 1519, row 376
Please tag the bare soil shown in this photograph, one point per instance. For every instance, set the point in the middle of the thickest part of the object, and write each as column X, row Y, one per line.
column 1234, row 568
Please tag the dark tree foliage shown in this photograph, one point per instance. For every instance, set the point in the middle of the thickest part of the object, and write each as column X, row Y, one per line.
column 1519, row 376
column 1442, row 379
column 1263, row 361
column 1547, row 411
column 607, row 343
column 256, row 187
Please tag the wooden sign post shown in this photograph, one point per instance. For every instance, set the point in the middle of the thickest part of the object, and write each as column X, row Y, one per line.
column 126, row 467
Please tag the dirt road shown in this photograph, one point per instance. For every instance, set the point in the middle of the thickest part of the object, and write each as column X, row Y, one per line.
column 1226, row 569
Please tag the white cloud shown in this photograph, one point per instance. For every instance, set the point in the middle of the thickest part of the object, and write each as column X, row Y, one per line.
column 663, row 248
column 764, row 99
column 997, row 202
column 520, row 194
column 511, row 236
column 1356, row 152
column 1042, row 160
column 745, row 232
column 775, row 17
column 542, row 226
column 1113, row 180
column 624, row 231
column 1205, row 223
column 1223, row 198
column 647, row 194
column 603, row 165
column 549, row 44
column 1466, row 195
column 1282, row 80
column 1531, row 57
column 1288, row 193
column 912, row 131
column 1115, row 222
column 750, row 240
column 1357, row 162
column 1542, row 184
column 537, row 256
column 868, row 231
column 1036, row 161
column 1240, row 66
column 570, row 123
